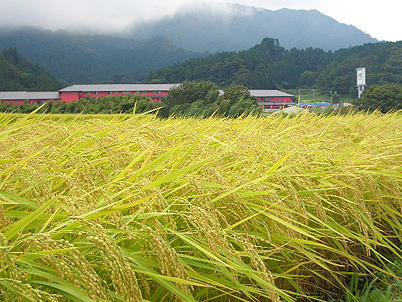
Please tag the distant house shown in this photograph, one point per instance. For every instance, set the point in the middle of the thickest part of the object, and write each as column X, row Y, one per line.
column 157, row 92
column 273, row 99
column 20, row 97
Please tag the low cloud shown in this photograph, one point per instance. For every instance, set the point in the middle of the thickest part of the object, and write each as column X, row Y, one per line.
column 84, row 15
column 105, row 16
column 98, row 15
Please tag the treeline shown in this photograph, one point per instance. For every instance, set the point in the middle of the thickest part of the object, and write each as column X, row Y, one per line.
column 270, row 66
column 18, row 74
column 384, row 98
column 201, row 99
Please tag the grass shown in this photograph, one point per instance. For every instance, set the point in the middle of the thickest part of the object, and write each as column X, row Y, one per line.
column 134, row 208
column 378, row 287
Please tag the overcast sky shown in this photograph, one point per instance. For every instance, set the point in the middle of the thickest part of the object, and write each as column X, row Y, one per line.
column 381, row 19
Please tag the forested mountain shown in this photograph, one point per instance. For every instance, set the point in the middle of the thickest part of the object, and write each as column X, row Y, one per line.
column 18, row 74
column 270, row 66
column 383, row 62
column 233, row 27
column 77, row 58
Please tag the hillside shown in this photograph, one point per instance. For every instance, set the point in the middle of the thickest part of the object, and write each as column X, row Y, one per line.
column 18, row 74
column 270, row 66
column 78, row 58
column 233, row 27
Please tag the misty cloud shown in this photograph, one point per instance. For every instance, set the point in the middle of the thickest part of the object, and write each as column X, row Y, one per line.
column 84, row 15
column 381, row 21
column 98, row 15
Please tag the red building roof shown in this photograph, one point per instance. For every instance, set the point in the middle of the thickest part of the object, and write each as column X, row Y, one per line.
column 269, row 93
column 118, row 87
column 25, row 95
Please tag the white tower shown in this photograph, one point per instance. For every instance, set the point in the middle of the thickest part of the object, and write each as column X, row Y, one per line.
column 361, row 80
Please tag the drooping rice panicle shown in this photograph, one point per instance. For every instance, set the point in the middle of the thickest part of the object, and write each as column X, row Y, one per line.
column 132, row 207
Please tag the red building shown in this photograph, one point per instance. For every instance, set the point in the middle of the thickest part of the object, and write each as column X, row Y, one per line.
column 267, row 99
column 156, row 92
column 273, row 99
column 20, row 97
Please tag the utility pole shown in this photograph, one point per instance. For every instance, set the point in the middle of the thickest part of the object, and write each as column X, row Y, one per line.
column 313, row 94
column 331, row 96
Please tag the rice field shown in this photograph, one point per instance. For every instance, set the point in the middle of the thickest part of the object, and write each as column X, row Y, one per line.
column 136, row 208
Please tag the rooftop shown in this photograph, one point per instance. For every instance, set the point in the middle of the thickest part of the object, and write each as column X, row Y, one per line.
column 269, row 93
column 119, row 87
column 29, row 95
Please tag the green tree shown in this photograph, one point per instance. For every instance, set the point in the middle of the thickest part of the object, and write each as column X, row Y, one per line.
column 384, row 98
column 237, row 96
column 180, row 98
column 236, row 92
column 16, row 73
column 336, row 98
column 244, row 106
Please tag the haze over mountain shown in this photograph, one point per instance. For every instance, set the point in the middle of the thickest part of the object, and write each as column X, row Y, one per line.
column 215, row 27
column 18, row 74
column 89, row 58
column 83, row 58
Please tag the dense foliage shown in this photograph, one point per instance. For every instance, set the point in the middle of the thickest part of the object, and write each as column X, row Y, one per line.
column 381, row 97
column 18, row 74
column 132, row 207
column 204, row 99
column 78, row 58
column 270, row 66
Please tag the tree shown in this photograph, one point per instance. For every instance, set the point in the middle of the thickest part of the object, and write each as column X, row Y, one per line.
column 235, row 101
column 203, row 98
column 16, row 73
column 244, row 106
column 180, row 98
column 308, row 78
column 336, row 98
column 384, row 98
column 235, row 92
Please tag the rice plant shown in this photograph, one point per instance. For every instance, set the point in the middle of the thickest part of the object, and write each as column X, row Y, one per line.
column 136, row 208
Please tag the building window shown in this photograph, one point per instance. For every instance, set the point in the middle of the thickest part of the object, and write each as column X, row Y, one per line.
column 95, row 92
column 126, row 92
column 110, row 93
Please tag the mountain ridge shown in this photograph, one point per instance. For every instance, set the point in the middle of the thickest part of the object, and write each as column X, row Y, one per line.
column 245, row 26
column 268, row 65
column 19, row 74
